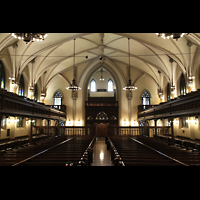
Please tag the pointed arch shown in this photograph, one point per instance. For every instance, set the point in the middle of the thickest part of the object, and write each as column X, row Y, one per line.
column 2, row 75
column 57, row 98
column 57, row 75
column 93, row 85
column 168, row 91
column 21, row 85
column 110, row 85
column 146, row 98
column 182, row 85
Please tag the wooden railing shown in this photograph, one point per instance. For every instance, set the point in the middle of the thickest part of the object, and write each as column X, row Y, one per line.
column 59, row 107
column 65, row 130
column 86, row 130
column 144, row 107
column 184, row 105
column 13, row 105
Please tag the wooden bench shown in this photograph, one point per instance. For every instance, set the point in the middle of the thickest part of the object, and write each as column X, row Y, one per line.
column 72, row 150
column 135, row 154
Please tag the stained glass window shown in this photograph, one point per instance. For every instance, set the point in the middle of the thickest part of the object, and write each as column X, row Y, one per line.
column 57, row 99
column 21, row 86
column 35, row 92
column 182, row 85
column 145, row 98
column 2, row 75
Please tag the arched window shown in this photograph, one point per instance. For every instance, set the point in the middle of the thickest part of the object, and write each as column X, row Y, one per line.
column 35, row 92
column 168, row 92
column 57, row 99
column 2, row 75
column 93, row 86
column 182, row 85
column 21, row 86
column 110, row 85
column 145, row 98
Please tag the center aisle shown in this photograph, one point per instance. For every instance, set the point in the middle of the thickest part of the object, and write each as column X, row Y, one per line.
column 101, row 156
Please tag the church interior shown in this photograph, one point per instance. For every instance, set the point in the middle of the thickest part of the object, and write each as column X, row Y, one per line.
column 100, row 99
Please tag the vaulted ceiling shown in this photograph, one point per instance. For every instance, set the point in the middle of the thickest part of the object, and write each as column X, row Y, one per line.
column 149, row 53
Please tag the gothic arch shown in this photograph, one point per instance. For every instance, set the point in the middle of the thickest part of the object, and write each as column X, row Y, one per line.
column 144, row 91
column 92, row 71
column 87, row 76
column 58, row 90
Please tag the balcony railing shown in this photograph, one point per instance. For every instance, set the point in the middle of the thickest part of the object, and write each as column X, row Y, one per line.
column 184, row 105
column 144, row 107
column 59, row 107
column 12, row 104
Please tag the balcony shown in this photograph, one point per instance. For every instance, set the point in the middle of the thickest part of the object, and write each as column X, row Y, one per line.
column 59, row 107
column 144, row 107
column 13, row 105
column 183, row 105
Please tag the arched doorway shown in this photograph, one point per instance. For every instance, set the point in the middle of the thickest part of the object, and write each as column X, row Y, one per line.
column 60, row 130
column 101, row 119
column 142, row 130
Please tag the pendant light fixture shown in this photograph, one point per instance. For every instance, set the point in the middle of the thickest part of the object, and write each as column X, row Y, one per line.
column 171, row 35
column 102, row 79
column 129, row 86
column 73, row 86
column 173, row 87
column 30, row 37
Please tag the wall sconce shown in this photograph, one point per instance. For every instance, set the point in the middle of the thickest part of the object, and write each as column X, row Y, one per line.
column 78, row 123
column 194, row 121
column 125, row 123
column 176, row 121
column 69, row 123
column 134, row 123
column 188, row 121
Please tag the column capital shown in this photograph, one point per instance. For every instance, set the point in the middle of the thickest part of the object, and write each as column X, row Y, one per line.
column 32, row 61
column 171, row 60
column 15, row 45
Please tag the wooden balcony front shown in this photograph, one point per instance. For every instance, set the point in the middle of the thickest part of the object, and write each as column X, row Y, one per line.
column 184, row 105
column 13, row 105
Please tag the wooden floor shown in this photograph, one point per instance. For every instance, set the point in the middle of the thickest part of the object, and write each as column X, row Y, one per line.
column 101, row 156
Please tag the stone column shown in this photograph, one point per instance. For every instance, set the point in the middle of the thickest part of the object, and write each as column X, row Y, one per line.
column 31, row 87
column 14, row 60
column 74, row 97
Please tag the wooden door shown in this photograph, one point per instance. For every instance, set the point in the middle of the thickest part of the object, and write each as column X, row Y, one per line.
column 101, row 130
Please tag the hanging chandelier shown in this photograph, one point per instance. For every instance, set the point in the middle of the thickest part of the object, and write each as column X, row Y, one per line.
column 73, row 86
column 129, row 86
column 171, row 35
column 101, row 79
column 30, row 37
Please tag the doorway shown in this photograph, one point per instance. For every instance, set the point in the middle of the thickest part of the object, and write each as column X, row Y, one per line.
column 142, row 130
column 101, row 130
